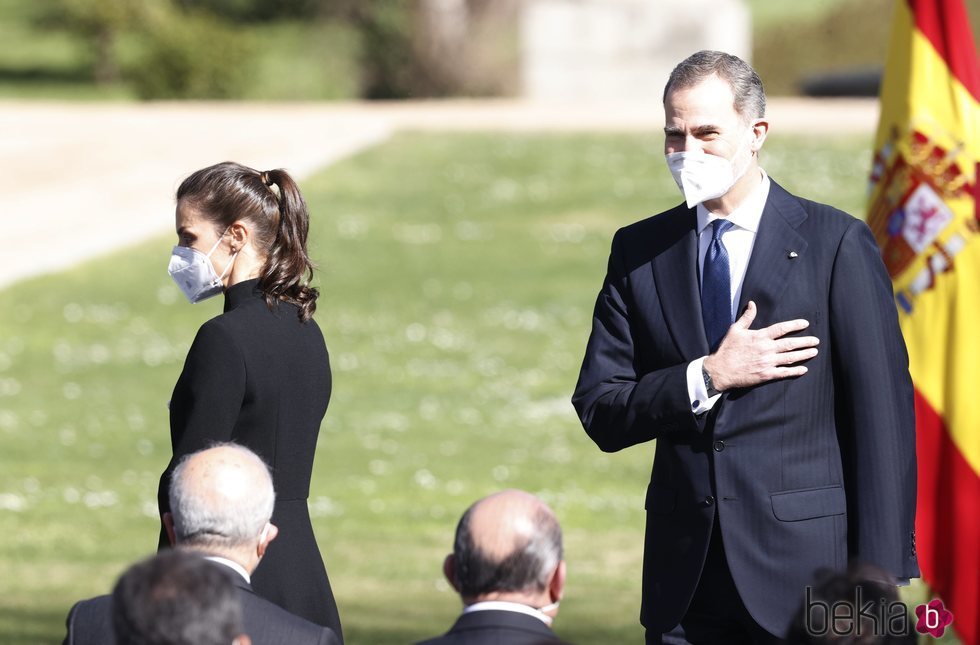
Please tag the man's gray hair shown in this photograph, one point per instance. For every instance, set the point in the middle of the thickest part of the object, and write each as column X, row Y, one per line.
column 528, row 568
column 750, row 97
column 205, row 518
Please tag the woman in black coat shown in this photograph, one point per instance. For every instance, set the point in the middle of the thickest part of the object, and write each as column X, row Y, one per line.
column 258, row 374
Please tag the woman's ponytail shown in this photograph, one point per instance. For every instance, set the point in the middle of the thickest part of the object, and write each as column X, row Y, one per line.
column 271, row 201
column 288, row 268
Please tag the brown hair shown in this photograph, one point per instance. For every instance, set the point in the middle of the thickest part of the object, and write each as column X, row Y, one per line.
column 272, row 203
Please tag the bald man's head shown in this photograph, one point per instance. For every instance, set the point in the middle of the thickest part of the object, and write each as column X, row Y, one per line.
column 221, row 497
column 507, row 542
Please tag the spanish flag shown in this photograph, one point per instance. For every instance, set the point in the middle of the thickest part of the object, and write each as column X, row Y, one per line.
column 925, row 212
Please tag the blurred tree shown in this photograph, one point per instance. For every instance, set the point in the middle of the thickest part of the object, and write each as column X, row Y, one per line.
column 783, row 56
column 201, row 49
column 388, row 66
column 191, row 55
column 262, row 10
column 849, row 36
column 179, row 53
column 412, row 48
column 99, row 22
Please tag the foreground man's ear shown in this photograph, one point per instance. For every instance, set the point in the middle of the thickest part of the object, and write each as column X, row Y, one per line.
column 168, row 524
column 449, row 570
column 556, row 586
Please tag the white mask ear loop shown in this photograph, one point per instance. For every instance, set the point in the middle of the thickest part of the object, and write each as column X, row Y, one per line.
column 736, row 172
column 231, row 260
column 553, row 605
column 218, row 241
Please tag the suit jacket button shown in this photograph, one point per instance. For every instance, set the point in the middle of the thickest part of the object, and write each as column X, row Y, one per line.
column 719, row 446
column 709, row 500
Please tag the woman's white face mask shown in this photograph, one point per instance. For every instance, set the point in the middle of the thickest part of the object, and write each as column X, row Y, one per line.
column 194, row 273
column 703, row 177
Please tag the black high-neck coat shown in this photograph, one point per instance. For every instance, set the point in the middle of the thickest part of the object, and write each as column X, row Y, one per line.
column 261, row 378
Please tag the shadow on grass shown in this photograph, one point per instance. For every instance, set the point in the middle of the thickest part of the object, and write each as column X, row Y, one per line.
column 20, row 626
column 35, row 75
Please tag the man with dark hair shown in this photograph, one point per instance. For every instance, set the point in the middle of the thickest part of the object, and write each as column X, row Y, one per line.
column 221, row 502
column 176, row 598
column 753, row 334
column 507, row 566
column 858, row 606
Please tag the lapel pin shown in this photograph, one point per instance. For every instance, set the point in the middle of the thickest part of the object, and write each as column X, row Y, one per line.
column 793, row 254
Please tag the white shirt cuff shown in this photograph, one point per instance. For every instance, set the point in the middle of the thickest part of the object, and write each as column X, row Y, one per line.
column 696, row 391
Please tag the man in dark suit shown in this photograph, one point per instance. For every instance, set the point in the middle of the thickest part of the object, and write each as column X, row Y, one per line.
column 221, row 501
column 507, row 566
column 754, row 335
column 176, row 598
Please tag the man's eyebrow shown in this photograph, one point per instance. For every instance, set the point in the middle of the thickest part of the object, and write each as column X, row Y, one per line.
column 700, row 130
column 704, row 129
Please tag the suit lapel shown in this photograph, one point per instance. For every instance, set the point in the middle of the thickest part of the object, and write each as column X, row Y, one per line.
column 675, row 274
column 778, row 249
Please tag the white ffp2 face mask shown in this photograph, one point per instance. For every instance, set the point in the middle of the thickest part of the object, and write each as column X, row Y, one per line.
column 194, row 273
column 702, row 177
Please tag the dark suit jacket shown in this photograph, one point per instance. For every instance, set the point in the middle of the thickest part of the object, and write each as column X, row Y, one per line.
column 800, row 473
column 261, row 378
column 90, row 621
column 496, row 627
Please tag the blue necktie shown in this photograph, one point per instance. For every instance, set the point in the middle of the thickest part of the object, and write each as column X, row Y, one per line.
column 716, row 287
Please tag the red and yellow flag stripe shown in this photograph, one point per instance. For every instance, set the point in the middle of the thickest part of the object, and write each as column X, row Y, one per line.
column 925, row 213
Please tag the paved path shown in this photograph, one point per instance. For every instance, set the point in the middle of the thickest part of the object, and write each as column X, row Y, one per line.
column 79, row 180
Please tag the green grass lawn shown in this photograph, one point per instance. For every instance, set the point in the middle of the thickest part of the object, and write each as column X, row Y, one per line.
column 774, row 13
column 458, row 274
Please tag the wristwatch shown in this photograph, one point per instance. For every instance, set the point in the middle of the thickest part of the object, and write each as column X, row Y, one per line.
column 707, row 382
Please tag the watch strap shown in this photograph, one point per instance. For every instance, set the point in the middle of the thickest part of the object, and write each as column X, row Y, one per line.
column 709, row 386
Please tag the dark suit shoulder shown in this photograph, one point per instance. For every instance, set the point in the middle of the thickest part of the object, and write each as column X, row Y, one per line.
column 496, row 627
column 90, row 622
column 677, row 218
column 269, row 623
column 824, row 216
column 636, row 244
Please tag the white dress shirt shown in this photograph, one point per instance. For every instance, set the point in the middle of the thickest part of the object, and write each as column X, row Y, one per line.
column 500, row 605
column 234, row 566
column 738, row 240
